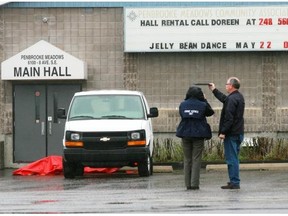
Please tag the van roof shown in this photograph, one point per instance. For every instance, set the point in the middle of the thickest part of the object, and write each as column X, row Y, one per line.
column 108, row 92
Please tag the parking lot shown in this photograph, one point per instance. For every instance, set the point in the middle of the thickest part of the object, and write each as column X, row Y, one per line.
column 261, row 192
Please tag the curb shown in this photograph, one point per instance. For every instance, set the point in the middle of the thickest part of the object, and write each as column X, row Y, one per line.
column 156, row 169
column 162, row 169
column 217, row 167
column 254, row 166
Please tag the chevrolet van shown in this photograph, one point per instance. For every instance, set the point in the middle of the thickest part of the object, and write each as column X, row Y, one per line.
column 108, row 128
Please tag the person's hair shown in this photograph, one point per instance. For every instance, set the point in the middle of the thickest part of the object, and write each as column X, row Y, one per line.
column 235, row 82
column 194, row 92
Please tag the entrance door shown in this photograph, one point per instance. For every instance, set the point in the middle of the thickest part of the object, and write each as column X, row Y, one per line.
column 37, row 130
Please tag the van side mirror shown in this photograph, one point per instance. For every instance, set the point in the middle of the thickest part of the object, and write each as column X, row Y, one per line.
column 61, row 113
column 153, row 112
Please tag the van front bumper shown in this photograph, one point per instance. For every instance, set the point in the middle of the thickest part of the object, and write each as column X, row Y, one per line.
column 106, row 158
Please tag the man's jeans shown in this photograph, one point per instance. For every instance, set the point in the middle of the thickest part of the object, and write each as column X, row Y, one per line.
column 232, row 147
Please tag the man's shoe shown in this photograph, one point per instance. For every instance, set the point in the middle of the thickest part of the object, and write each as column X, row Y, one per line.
column 230, row 186
column 193, row 188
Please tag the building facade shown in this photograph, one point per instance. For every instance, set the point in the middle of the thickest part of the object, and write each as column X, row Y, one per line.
column 99, row 36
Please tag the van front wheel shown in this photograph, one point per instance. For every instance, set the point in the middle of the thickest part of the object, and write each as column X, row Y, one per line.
column 69, row 169
column 144, row 167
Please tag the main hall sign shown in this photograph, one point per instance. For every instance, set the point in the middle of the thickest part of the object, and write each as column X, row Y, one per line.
column 43, row 61
column 206, row 29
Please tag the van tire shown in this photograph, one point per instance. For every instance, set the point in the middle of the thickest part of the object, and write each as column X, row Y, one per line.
column 151, row 166
column 79, row 170
column 144, row 167
column 69, row 169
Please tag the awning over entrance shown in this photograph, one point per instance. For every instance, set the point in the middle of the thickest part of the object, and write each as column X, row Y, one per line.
column 43, row 61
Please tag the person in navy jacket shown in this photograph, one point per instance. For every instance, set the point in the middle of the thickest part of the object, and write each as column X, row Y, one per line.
column 193, row 129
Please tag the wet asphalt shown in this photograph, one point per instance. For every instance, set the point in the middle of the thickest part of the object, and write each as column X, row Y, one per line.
column 261, row 192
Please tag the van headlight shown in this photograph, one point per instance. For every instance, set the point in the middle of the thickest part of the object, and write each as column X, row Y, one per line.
column 73, row 139
column 75, row 136
column 135, row 135
column 137, row 138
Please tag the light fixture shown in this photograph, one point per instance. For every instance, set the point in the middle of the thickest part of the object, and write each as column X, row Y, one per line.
column 44, row 19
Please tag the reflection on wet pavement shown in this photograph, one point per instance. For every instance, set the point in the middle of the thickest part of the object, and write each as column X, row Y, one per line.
column 261, row 192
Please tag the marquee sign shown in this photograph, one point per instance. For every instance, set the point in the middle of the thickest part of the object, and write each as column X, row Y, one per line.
column 206, row 29
column 43, row 61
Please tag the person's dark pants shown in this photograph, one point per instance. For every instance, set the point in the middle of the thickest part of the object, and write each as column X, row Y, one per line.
column 232, row 149
column 192, row 149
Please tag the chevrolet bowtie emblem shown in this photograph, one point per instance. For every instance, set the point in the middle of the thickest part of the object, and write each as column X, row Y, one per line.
column 104, row 139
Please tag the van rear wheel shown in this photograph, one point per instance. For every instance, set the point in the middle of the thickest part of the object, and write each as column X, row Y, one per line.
column 144, row 167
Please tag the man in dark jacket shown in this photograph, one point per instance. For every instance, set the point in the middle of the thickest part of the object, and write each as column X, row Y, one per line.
column 231, row 127
column 193, row 129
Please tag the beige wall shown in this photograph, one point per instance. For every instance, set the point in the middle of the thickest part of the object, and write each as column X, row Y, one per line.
column 165, row 78
column 95, row 35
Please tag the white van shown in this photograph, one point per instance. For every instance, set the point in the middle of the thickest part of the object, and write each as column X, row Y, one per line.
column 108, row 128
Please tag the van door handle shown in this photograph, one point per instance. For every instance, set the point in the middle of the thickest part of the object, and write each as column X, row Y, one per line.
column 42, row 128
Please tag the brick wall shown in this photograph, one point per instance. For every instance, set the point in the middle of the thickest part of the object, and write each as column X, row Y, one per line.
column 95, row 35
column 165, row 78
column 1, row 59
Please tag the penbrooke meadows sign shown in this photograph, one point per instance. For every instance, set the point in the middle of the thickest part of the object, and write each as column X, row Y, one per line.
column 206, row 29
column 43, row 61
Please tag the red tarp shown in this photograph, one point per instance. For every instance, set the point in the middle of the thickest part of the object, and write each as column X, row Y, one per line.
column 52, row 165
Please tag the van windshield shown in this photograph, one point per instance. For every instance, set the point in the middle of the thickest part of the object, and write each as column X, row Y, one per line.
column 106, row 107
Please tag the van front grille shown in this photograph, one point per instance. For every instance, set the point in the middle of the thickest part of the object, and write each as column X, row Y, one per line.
column 105, row 141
